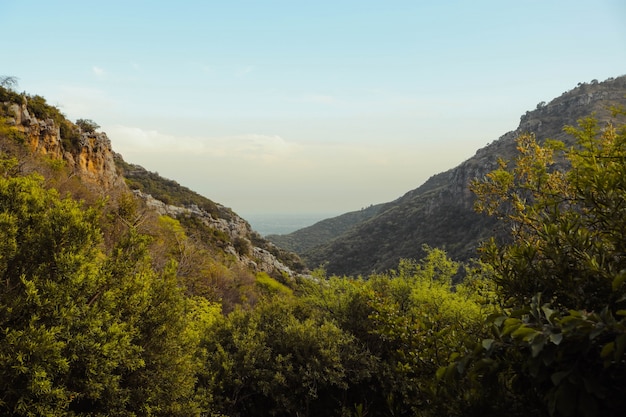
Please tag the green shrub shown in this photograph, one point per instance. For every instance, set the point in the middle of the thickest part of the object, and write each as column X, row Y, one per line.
column 87, row 125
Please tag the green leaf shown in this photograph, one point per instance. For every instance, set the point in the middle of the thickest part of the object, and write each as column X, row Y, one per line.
column 488, row 344
column 619, row 280
column 547, row 311
column 537, row 345
column 524, row 333
column 607, row 349
column 557, row 377
column 596, row 332
column 510, row 325
column 441, row 372
column 556, row 338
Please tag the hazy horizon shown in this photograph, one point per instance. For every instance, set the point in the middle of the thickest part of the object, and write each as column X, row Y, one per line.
column 283, row 223
column 322, row 107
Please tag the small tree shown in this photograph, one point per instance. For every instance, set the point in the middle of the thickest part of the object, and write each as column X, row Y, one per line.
column 559, row 347
column 87, row 125
column 8, row 82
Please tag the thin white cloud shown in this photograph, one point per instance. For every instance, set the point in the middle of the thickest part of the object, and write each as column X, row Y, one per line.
column 80, row 101
column 244, row 71
column 319, row 98
column 98, row 71
column 259, row 147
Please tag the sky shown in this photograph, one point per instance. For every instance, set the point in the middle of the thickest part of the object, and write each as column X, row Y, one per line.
column 306, row 106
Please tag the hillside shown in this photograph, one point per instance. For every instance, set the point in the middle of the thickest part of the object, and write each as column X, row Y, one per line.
column 323, row 231
column 440, row 212
column 127, row 294
column 221, row 252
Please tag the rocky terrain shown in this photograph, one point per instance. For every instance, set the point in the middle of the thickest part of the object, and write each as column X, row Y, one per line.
column 89, row 157
column 440, row 212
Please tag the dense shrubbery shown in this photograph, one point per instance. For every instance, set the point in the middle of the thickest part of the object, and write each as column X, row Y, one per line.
column 147, row 322
column 557, row 348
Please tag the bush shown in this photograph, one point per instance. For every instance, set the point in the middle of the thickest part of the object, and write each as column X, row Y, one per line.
column 87, row 125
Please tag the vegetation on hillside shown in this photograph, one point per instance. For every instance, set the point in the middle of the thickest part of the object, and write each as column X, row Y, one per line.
column 172, row 193
column 440, row 212
column 558, row 345
column 109, row 309
column 167, row 191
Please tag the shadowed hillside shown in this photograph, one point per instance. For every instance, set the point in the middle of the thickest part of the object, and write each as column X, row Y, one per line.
column 440, row 212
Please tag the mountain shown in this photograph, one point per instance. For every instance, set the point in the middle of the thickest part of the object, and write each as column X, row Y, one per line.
column 304, row 239
column 215, row 248
column 440, row 212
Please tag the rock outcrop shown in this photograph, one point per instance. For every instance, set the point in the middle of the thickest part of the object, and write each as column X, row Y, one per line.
column 236, row 228
column 91, row 158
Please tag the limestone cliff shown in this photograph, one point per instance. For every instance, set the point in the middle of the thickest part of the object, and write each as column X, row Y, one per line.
column 91, row 158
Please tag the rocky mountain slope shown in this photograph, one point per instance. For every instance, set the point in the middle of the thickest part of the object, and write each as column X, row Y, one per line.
column 440, row 212
column 45, row 141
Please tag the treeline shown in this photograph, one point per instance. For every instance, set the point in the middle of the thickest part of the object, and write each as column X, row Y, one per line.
column 101, row 315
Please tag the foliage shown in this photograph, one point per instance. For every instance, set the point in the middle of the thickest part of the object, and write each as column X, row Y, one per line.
column 87, row 125
column 407, row 322
column 278, row 360
column 38, row 107
column 421, row 322
column 167, row 191
column 558, row 348
column 6, row 90
column 8, row 82
column 109, row 309
column 83, row 332
column 11, row 132
column 270, row 286
column 70, row 136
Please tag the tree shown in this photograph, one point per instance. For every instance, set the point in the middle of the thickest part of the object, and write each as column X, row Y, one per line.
column 278, row 360
column 87, row 125
column 421, row 321
column 83, row 332
column 558, row 348
column 49, row 314
column 8, row 82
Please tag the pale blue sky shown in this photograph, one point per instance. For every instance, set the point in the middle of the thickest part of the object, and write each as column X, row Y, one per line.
column 317, row 106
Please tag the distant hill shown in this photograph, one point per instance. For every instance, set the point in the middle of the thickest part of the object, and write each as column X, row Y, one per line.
column 323, row 231
column 440, row 212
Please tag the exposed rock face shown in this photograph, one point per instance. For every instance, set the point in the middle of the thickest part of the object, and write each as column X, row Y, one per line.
column 92, row 160
column 235, row 227
column 43, row 136
column 95, row 160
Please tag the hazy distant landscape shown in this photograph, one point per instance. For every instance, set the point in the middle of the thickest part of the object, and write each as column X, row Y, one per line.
column 187, row 226
column 283, row 223
column 126, row 291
